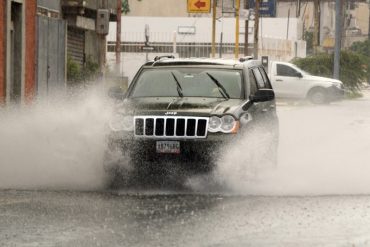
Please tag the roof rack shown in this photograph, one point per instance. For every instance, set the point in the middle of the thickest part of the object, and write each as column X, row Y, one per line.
column 157, row 58
column 246, row 58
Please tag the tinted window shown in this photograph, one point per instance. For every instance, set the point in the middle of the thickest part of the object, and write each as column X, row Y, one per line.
column 265, row 77
column 253, row 82
column 259, row 78
column 194, row 82
column 284, row 70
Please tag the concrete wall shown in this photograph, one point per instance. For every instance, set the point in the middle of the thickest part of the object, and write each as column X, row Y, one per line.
column 162, row 29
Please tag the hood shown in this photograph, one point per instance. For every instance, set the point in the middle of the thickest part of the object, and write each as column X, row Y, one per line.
column 181, row 106
column 322, row 79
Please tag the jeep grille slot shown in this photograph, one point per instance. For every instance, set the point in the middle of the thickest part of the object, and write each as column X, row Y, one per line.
column 171, row 127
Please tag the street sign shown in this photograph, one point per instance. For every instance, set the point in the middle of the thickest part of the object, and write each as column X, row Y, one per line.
column 267, row 7
column 148, row 48
column 199, row 6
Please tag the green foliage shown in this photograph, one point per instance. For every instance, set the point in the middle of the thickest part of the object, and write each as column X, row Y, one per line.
column 308, row 37
column 91, row 69
column 76, row 74
column 73, row 70
column 363, row 49
column 352, row 72
column 125, row 6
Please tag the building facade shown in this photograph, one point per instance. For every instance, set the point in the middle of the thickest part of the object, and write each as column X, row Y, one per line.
column 17, row 50
column 36, row 38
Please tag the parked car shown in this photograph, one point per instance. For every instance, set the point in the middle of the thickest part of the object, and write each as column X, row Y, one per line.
column 291, row 82
column 187, row 110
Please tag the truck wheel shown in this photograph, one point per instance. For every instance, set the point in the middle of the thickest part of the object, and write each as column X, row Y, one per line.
column 318, row 96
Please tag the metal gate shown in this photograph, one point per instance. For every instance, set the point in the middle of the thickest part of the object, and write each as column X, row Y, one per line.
column 51, row 56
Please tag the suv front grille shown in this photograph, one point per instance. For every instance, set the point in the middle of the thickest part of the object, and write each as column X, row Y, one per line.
column 171, row 127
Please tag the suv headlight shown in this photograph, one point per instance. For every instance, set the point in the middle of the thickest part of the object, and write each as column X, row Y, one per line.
column 225, row 124
column 121, row 122
column 214, row 124
column 228, row 123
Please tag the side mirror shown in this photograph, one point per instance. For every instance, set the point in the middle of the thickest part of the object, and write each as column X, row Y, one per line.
column 116, row 93
column 299, row 75
column 263, row 95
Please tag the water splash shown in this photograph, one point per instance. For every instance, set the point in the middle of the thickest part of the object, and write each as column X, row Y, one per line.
column 56, row 144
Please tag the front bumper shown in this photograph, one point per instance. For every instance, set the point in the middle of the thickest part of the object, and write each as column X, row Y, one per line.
column 335, row 93
column 192, row 151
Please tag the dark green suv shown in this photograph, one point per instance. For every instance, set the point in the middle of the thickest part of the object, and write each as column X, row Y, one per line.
column 185, row 110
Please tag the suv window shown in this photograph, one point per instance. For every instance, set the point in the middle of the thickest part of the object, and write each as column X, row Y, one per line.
column 284, row 70
column 190, row 81
column 265, row 77
column 259, row 78
column 253, row 82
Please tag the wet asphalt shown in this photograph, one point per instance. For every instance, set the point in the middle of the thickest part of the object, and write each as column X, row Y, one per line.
column 334, row 212
column 122, row 218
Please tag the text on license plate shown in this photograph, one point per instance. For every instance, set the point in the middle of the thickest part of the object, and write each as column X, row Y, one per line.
column 172, row 147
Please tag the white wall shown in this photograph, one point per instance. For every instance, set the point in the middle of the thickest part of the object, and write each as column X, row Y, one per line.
column 133, row 29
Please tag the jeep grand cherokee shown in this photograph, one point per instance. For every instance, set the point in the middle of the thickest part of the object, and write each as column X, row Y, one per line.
column 186, row 110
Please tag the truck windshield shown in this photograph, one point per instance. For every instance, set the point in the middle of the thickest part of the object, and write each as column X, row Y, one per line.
column 189, row 82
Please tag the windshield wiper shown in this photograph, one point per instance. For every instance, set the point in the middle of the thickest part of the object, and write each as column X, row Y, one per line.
column 179, row 88
column 220, row 87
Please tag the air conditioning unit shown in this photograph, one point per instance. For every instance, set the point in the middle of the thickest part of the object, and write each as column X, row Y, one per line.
column 102, row 21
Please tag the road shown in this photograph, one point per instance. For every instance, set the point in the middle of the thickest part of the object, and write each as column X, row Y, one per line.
column 318, row 196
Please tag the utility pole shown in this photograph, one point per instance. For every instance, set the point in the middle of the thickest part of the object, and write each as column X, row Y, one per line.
column 298, row 10
column 338, row 37
column 214, row 8
column 237, row 9
column 316, row 32
column 246, row 29
column 256, row 27
column 102, row 44
column 118, row 36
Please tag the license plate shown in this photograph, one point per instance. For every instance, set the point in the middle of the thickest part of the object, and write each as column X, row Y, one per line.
column 170, row 147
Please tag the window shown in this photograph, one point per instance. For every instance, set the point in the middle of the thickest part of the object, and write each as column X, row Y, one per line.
column 259, row 78
column 265, row 77
column 284, row 70
column 253, row 82
column 189, row 82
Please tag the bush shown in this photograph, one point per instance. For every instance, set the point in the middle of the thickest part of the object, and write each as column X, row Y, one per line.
column 363, row 49
column 76, row 74
column 73, row 71
column 352, row 72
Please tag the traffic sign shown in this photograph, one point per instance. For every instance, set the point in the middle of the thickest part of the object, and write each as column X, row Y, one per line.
column 199, row 6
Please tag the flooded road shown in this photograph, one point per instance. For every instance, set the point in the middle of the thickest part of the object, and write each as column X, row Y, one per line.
column 42, row 218
column 318, row 196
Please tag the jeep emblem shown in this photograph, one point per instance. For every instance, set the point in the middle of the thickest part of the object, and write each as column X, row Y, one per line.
column 173, row 113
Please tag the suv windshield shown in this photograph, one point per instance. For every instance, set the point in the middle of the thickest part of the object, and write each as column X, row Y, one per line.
column 189, row 82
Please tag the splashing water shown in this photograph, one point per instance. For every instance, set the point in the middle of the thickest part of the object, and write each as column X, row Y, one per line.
column 323, row 150
column 55, row 144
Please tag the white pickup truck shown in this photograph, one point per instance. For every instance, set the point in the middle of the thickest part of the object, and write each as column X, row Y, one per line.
column 291, row 82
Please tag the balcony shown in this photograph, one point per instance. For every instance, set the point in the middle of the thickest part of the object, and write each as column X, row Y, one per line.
column 88, row 8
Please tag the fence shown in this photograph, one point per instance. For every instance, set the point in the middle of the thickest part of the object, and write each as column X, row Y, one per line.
column 135, row 49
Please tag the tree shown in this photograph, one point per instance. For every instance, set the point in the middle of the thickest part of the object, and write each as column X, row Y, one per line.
column 363, row 49
column 126, row 6
column 352, row 73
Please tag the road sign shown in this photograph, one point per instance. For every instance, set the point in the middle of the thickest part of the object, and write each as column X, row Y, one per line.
column 199, row 6
column 267, row 7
